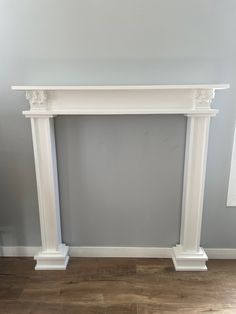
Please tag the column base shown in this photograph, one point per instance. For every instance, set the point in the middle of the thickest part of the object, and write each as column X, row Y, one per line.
column 189, row 261
column 49, row 260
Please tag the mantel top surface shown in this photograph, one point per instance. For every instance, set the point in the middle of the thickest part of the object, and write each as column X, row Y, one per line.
column 122, row 87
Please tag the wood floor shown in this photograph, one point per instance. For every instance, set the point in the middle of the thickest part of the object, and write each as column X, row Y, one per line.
column 116, row 286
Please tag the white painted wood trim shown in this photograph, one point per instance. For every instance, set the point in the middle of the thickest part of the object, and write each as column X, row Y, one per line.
column 121, row 87
column 194, row 101
column 231, row 199
column 132, row 252
column 154, row 99
column 54, row 254
column 146, row 252
column 114, row 111
column 19, row 251
column 221, row 253
column 188, row 255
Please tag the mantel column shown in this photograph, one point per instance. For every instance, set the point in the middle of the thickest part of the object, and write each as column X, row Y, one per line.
column 54, row 254
column 188, row 255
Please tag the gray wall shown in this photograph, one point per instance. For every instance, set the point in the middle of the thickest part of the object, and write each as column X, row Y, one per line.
column 120, row 177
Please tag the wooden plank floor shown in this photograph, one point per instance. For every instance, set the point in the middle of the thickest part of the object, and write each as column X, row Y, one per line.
column 116, row 286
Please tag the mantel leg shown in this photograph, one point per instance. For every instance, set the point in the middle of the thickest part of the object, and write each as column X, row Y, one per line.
column 54, row 254
column 188, row 255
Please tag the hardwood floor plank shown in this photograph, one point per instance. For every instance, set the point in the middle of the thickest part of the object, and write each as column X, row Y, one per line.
column 182, row 308
column 60, row 308
column 116, row 286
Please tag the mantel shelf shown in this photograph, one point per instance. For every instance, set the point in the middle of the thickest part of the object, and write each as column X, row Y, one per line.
column 120, row 87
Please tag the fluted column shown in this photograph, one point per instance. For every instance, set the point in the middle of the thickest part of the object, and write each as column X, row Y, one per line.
column 188, row 255
column 54, row 254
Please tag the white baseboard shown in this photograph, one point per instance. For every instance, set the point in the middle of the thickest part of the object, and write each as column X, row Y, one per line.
column 11, row 251
column 104, row 251
column 221, row 253
column 107, row 251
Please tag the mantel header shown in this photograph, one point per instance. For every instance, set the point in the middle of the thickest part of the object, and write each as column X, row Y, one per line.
column 120, row 99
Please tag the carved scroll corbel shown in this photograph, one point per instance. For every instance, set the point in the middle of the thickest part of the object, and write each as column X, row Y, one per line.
column 37, row 99
column 204, row 97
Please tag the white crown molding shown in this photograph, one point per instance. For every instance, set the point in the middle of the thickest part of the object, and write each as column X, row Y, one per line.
column 194, row 101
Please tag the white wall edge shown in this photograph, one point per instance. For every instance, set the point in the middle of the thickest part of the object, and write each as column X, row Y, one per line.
column 231, row 198
column 92, row 251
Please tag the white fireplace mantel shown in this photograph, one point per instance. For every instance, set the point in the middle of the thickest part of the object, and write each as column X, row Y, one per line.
column 193, row 101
